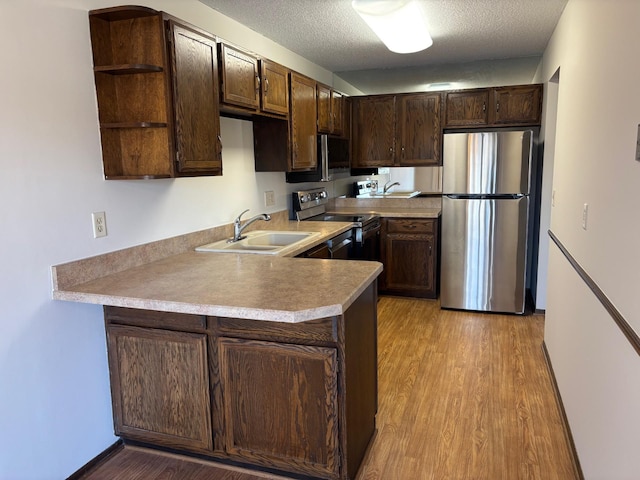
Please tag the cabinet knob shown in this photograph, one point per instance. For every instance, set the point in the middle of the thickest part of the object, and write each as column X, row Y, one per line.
column 258, row 83
column 266, row 85
column 484, row 107
column 497, row 106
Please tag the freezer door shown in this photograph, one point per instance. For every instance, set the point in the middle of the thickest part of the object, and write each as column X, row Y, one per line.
column 484, row 251
column 487, row 162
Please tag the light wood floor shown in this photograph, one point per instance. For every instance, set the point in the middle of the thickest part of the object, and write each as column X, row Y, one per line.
column 461, row 396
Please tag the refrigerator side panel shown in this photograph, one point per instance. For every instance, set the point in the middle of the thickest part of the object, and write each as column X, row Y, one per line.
column 487, row 163
column 484, row 244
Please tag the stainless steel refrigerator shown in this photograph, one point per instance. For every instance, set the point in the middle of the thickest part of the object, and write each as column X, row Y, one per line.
column 485, row 216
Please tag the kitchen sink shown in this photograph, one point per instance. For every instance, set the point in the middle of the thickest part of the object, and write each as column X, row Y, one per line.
column 395, row 194
column 266, row 242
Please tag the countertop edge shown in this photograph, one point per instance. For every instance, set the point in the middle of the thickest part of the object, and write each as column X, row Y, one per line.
column 273, row 315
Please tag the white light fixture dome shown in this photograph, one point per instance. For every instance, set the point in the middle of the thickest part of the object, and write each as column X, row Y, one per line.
column 400, row 24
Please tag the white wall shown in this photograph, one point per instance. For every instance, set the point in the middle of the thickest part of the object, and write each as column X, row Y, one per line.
column 595, row 46
column 55, row 408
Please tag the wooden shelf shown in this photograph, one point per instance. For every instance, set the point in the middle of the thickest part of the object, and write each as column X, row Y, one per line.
column 134, row 125
column 128, row 68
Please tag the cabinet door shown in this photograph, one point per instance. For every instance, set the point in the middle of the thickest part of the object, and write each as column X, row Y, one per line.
column 467, row 108
column 281, row 405
column 275, row 88
column 160, row 387
column 304, row 155
column 373, row 131
column 520, row 105
column 410, row 257
column 324, row 109
column 195, row 92
column 240, row 78
column 419, row 132
column 337, row 113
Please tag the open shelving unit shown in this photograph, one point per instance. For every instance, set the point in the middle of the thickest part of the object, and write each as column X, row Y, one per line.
column 133, row 89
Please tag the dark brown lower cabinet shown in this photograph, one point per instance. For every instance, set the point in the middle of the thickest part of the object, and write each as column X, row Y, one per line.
column 160, row 387
column 281, row 404
column 296, row 398
column 409, row 252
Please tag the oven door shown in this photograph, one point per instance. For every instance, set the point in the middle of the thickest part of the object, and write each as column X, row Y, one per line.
column 368, row 246
column 340, row 246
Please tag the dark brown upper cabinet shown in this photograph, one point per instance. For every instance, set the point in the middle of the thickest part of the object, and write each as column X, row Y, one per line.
column 520, row 105
column 330, row 111
column 396, row 130
column 148, row 118
column 304, row 153
column 275, row 87
column 253, row 85
column 195, row 92
column 498, row 106
column 289, row 145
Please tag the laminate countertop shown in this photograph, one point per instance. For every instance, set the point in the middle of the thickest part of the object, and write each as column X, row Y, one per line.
column 419, row 207
column 251, row 286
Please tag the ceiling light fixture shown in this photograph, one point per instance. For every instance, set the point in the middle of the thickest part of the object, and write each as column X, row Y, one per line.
column 400, row 24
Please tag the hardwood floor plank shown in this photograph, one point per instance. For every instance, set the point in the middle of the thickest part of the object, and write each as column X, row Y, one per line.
column 463, row 396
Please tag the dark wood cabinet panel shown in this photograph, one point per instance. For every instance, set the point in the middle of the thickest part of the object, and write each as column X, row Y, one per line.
column 240, row 77
column 330, row 111
column 521, row 105
column 499, row 106
column 373, row 131
column 252, row 86
column 337, row 113
column 409, row 253
column 275, row 87
column 396, row 130
column 465, row 108
column 302, row 124
column 324, row 108
column 160, row 387
column 195, row 93
column 281, row 405
column 418, row 128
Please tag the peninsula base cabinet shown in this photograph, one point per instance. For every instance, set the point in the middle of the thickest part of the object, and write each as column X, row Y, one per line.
column 297, row 398
column 409, row 251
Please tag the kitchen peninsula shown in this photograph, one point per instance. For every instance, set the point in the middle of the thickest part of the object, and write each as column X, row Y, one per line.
column 262, row 361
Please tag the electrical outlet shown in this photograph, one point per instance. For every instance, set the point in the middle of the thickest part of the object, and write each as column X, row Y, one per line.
column 269, row 198
column 99, row 220
column 585, row 214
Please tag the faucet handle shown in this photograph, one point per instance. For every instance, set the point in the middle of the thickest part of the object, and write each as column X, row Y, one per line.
column 237, row 220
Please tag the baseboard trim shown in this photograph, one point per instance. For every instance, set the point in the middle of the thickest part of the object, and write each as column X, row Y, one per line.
column 563, row 415
column 617, row 317
column 94, row 462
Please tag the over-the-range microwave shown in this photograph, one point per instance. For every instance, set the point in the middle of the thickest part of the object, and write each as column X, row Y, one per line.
column 333, row 152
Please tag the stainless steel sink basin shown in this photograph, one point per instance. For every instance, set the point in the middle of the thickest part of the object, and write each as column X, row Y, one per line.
column 266, row 242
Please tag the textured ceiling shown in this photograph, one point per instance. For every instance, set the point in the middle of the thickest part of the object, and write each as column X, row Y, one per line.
column 331, row 34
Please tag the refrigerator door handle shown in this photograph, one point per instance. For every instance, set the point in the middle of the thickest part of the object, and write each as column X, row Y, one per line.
column 505, row 196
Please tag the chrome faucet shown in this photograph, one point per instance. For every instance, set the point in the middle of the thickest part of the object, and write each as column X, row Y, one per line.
column 238, row 228
column 387, row 187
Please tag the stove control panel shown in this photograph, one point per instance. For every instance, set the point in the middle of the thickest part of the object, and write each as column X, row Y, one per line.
column 305, row 199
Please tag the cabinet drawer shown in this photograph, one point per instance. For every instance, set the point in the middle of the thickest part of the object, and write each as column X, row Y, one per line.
column 151, row 319
column 315, row 332
column 410, row 225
